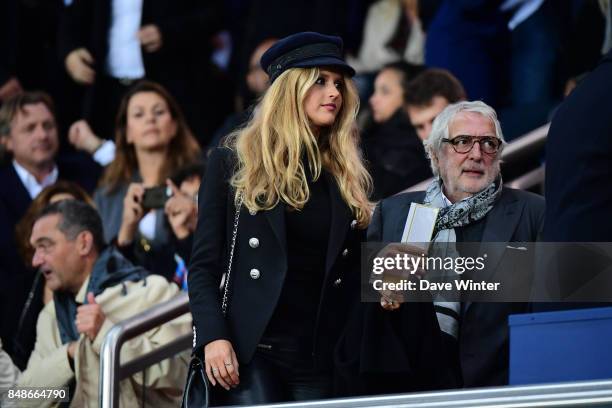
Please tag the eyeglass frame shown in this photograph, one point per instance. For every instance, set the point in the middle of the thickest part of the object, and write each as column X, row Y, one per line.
column 475, row 139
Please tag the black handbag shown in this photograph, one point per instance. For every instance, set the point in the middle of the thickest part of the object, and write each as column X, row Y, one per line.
column 197, row 389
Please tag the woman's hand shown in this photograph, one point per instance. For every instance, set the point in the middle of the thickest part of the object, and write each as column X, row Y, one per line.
column 221, row 364
column 392, row 300
column 132, row 213
column 182, row 212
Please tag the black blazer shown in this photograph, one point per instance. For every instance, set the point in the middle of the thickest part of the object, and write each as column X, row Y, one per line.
column 518, row 216
column 252, row 301
column 186, row 26
column 579, row 162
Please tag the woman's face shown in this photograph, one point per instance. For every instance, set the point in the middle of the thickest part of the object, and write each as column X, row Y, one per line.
column 150, row 124
column 388, row 95
column 324, row 99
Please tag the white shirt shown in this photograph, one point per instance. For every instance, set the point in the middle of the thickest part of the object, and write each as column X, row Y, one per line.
column 524, row 10
column 29, row 181
column 124, row 53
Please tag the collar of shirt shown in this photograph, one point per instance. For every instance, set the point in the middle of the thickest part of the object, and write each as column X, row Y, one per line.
column 29, row 181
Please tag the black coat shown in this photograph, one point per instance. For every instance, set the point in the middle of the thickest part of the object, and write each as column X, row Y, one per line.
column 579, row 162
column 252, row 301
column 389, row 347
column 186, row 27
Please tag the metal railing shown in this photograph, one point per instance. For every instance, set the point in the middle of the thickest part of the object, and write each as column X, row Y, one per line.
column 574, row 394
column 111, row 369
column 522, row 148
column 530, row 179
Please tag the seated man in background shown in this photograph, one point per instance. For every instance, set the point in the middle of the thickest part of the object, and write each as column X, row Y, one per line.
column 428, row 94
column 94, row 288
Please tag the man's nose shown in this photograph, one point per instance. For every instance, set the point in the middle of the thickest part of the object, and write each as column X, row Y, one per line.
column 475, row 152
column 37, row 259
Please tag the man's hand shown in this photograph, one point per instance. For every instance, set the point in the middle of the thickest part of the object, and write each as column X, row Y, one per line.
column 9, row 89
column 82, row 137
column 90, row 317
column 78, row 64
column 150, row 37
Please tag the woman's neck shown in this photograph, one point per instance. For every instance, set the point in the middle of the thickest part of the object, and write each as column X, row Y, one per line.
column 150, row 163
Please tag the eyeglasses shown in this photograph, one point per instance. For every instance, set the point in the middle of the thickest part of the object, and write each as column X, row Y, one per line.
column 464, row 144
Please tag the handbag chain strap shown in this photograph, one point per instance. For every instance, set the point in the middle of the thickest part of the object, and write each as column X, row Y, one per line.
column 231, row 255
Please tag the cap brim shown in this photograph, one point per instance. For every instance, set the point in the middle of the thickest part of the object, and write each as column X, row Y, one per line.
column 326, row 62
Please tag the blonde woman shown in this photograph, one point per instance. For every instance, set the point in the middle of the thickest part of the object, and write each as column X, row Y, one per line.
column 296, row 175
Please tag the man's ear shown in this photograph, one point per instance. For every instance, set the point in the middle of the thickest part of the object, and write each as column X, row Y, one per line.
column 85, row 243
column 7, row 141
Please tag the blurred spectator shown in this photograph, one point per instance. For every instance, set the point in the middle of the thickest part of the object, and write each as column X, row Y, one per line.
column 392, row 148
column 257, row 83
column 107, row 45
column 470, row 38
column 152, row 141
column 28, row 126
column 94, row 287
column 584, row 39
column 39, row 295
column 258, row 20
column 428, row 94
column 535, row 85
column 28, row 46
column 392, row 32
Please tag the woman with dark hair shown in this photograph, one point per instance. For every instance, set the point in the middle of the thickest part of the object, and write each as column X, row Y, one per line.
column 283, row 209
column 152, row 141
column 395, row 153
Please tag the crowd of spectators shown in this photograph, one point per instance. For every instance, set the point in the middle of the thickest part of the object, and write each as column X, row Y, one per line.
column 117, row 104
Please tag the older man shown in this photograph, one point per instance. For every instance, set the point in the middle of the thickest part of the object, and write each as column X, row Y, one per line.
column 95, row 287
column 464, row 149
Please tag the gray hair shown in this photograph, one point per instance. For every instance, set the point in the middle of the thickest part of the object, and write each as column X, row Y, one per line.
column 440, row 127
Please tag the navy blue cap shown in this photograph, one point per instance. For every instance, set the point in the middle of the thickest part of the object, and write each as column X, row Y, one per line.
column 304, row 50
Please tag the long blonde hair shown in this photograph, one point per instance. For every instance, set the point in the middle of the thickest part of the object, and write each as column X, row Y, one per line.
column 271, row 146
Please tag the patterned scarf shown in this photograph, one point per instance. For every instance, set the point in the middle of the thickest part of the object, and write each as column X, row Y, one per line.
column 458, row 214
column 462, row 212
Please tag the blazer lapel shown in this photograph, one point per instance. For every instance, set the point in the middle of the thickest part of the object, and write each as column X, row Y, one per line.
column 339, row 225
column 276, row 218
column 500, row 225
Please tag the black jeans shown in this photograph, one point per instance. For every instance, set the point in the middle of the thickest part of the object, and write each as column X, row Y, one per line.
column 276, row 374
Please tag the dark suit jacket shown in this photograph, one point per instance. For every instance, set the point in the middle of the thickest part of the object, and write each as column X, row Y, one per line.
column 186, row 27
column 252, row 301
column 579, row 162
column 518, row 216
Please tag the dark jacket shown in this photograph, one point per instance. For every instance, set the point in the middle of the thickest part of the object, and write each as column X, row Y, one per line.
column 518, row 216
column 395, row 154
column 579, row 162
column 253, row 300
